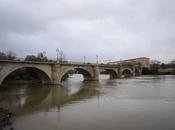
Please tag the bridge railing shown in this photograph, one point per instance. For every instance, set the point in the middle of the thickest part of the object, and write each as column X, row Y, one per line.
column 21, row 59
column 54, row 61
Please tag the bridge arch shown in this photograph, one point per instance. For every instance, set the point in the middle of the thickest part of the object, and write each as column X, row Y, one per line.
column 41, row 73
column 113, row 74
column 87, row 75
column 127, row 72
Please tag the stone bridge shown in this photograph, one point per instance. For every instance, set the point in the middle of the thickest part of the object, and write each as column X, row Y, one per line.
column 54, row 73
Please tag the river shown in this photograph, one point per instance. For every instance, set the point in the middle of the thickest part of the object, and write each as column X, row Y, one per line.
column 137, row 103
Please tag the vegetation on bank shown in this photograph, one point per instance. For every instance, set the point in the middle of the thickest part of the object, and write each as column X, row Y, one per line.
column 40, row 57
column 159, row 69
column 7, row 56
column 12, row 56
column 5, row 117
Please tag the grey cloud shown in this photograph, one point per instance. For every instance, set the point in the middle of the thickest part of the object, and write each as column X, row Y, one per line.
column 113, row 29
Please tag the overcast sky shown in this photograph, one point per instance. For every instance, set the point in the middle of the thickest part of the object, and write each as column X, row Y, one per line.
column 112, row 29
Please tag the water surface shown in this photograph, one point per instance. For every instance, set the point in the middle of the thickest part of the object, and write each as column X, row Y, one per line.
column 138, row 103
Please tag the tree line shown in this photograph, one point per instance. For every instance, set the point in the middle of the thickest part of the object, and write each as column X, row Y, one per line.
column 40, row 57
column 7, row 55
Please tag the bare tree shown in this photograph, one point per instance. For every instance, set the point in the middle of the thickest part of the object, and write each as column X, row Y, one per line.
column 62, row 56
column 11, row 55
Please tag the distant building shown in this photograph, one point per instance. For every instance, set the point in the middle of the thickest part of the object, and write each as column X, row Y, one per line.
column 143, row 61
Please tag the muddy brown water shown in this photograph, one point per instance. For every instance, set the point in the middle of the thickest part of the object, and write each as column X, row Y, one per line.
column 137, row 103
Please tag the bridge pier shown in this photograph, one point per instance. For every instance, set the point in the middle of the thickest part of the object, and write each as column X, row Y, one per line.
column 55, row 74
column 95, row 76
column 120, row 72
column 133, row 71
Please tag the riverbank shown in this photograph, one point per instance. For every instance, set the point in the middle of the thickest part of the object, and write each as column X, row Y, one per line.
column 5, row 118
column 158, row 71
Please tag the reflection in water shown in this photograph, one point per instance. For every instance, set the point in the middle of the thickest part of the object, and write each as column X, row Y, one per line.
column 145, row 102
column 27, row 99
